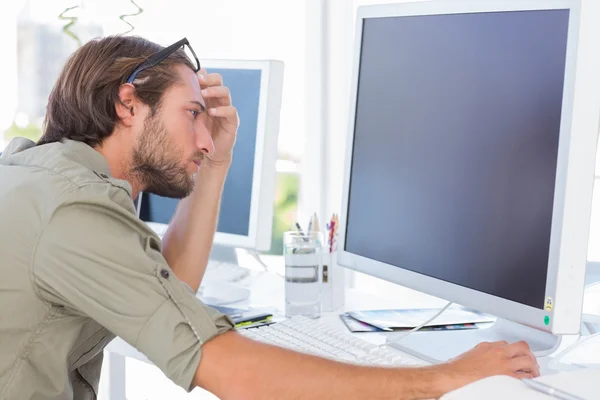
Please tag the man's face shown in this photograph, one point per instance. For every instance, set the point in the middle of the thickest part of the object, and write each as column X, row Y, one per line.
column 169, row 149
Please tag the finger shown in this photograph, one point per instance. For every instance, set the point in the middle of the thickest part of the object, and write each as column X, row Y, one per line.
column 214, row 79
column 500, row 343
column 485, row 346
column 525, row 364
column 201, row 76
column 220, row 93
column 228, row 112
column 522, row 375
column 518, row 349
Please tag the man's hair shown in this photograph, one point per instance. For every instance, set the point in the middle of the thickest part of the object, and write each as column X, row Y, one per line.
column 82, row 103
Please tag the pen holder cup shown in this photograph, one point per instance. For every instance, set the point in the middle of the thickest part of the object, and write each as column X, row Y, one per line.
column 333, row 283
column 303, row 255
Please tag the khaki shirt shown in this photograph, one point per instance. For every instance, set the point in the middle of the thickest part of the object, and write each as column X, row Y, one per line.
column 78, row 267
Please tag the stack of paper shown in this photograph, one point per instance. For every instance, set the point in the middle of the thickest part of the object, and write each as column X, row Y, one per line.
column 390, row 320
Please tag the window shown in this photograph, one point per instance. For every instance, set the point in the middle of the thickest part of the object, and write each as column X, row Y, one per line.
column 225, row 29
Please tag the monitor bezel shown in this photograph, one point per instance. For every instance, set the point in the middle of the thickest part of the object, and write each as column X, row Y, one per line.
column 572, row 210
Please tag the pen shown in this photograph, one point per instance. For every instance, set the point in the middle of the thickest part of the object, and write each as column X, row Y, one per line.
column 266, row 321
column 301, row 232
column 586, row 366
column 550, row 391
column 304, row 238
column 332, row 229
column 316, row 226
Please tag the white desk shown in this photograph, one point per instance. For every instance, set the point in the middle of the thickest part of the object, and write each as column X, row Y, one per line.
column 267, row 290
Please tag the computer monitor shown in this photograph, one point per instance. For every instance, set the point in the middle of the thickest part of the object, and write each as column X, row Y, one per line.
column 246, row 212
column 470, row 161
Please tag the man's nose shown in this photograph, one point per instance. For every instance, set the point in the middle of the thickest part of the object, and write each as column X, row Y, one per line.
column 204, row 140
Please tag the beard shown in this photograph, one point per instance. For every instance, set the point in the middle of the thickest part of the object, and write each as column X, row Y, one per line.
column 156, row 162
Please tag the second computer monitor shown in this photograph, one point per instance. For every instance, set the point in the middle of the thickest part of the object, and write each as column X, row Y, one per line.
column 246, row 212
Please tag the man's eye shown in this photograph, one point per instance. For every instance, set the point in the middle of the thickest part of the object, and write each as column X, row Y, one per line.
column 195, row 113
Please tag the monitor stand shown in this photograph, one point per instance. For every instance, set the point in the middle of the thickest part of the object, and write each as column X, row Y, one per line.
column 222, row 292
column 441, row 346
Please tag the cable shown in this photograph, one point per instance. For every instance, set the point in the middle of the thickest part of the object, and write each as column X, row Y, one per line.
column 418, row 327
column 553, row 364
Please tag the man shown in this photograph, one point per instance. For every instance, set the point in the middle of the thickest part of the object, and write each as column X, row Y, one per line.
column 79, row 267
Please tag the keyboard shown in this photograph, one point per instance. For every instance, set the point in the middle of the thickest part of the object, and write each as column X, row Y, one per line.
column 311, row 336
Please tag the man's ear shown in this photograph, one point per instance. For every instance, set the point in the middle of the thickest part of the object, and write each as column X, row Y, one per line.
column 125, row 104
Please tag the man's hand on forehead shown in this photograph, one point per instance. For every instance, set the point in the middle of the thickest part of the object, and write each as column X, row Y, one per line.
column 223, row 119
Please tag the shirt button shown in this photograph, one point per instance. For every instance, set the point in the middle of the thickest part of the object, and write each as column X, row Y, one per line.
column 164, row 273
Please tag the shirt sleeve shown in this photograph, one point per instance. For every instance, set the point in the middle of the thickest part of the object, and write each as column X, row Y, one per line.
column 98, row 260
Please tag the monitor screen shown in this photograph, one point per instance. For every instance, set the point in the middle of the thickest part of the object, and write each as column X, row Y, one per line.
column 234, row 216
column 455, row 147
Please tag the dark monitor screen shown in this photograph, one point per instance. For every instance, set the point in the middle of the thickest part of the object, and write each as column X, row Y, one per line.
column 234, row 216
column 455, row 147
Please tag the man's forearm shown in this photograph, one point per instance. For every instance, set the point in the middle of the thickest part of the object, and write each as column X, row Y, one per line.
column 239, row 368
column 188, row 241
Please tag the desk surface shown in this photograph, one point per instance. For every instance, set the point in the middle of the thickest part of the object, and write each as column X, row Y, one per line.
column 267, row 291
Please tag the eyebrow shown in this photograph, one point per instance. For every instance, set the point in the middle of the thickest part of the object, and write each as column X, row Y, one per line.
column 202, row 106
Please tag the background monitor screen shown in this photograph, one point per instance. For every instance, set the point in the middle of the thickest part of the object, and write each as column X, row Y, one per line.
column 455, row 147
column 234, row 216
